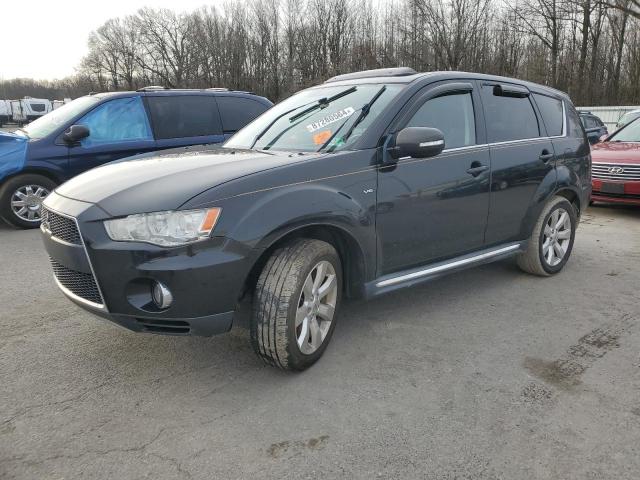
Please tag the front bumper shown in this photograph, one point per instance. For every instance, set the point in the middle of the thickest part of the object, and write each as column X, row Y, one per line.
column 629, row 194
column 113, row 279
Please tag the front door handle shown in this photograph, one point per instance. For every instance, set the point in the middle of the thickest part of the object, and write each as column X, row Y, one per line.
column 546, row 155
column 477, row 168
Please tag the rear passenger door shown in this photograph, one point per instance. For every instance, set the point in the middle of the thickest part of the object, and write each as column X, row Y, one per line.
column 180, row 120
column 522, row 157
column 236, row 112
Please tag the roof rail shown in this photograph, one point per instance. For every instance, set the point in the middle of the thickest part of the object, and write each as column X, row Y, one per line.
column 223, row 89
column 379, row 72
column 152, row 88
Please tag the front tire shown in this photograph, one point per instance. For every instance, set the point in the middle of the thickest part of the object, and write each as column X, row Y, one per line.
column 21, row 199
column 295, row 303
column 551, row 241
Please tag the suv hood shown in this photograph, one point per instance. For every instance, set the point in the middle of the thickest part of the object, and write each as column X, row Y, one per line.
column 166, row 180
column 616, row 152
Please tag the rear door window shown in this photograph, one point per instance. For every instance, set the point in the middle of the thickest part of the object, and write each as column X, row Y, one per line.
column 236, row 112
column 508, row 118
column 118, row 120
column 552, row 114
column 183, row 116
column 451, row 114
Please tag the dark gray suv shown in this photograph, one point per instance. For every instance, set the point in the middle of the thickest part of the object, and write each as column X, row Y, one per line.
column 368, row 183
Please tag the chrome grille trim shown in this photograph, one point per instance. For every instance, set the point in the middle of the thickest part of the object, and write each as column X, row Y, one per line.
column 603, row 171
column 60, row 227
column 66, row 291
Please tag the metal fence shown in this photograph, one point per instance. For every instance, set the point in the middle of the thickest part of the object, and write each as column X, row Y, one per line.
column 609, row 115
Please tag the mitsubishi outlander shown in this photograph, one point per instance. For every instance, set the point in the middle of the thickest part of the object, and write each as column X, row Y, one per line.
column 370, row 182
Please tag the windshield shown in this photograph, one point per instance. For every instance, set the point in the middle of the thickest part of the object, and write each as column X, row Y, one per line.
column 48, row 123
column 327, row 118
column 630, row 133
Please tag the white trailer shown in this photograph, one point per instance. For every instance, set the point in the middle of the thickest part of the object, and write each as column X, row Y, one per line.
column 5, row 112
column 28, row 109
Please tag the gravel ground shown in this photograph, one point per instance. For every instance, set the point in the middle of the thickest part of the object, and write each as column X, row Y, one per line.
column 485, row 374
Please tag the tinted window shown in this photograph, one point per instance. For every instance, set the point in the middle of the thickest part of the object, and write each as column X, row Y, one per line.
column 573, row 122
column 119, row 120
column 508, row 118
column 453, row 115
column 236, row 112
column 184, row 116
column 551, row 111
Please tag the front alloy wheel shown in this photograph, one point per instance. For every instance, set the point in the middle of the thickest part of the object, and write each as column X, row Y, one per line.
column 316, row 307
column 26, row 202
column 295, row 303
column 21, row 199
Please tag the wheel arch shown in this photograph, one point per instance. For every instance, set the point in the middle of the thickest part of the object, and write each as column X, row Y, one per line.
column 351, row 253
column 34, row 171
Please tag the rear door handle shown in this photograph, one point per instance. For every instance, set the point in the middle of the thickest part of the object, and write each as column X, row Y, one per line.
column 546, row 155
column 477, row 168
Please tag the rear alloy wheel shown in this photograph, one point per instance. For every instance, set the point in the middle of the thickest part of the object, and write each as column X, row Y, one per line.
column 295, row 303
column 551, row 241
column 21, row 200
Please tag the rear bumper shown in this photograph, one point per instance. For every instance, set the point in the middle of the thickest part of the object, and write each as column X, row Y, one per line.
column 629, row 196
column 113, row 280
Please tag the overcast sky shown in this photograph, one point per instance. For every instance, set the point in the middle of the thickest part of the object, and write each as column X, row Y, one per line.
column 46, row 39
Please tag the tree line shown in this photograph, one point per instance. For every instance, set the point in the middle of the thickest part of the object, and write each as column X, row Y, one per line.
column 588, row 48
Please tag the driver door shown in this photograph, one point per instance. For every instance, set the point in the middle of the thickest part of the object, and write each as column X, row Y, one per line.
column 431, row 209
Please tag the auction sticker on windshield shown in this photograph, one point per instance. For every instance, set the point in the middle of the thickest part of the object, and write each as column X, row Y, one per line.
column 334, row 117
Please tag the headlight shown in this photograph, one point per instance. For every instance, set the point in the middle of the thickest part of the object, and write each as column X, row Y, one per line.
column 167, row 229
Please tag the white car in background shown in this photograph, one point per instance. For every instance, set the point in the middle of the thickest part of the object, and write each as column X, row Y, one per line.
column 627, row 118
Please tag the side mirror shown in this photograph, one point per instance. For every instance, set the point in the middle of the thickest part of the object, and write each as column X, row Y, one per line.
column 417, row 142
column 603, row 137
column 75, row 133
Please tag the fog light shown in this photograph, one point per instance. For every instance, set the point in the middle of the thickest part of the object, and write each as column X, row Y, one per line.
column 161, row 295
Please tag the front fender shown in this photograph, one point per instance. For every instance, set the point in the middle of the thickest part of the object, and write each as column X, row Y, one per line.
column 13, row 154
column 259, row 220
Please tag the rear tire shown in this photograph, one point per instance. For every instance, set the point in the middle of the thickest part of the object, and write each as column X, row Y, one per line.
column 21, row 198
column 551, row 241
column 295, row 304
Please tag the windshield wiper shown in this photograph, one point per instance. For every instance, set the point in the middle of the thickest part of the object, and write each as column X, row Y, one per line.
column 266, row 129
column 364, row 111
column 323, row 102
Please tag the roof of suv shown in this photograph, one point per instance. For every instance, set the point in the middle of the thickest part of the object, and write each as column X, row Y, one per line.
column 404, row 75
column 155, row 91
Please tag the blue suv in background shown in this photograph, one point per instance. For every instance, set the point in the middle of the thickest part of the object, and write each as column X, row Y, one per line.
column 101, row 128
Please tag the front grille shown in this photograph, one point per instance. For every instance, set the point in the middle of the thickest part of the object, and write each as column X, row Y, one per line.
column 61, row 227
column 37, row 107
column 610, row 171
column 80, row 284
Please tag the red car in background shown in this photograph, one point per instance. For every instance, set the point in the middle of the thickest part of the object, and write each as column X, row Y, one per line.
column 615, row 167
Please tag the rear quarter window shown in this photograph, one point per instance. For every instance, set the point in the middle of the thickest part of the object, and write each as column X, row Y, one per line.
column 183, row 116
column 575, row 128
column 236, row 112
column 552, row 114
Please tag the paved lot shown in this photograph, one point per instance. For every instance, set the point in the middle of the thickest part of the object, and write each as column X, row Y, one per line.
column 484, row 374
